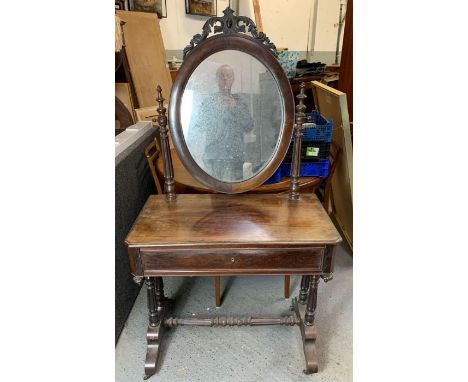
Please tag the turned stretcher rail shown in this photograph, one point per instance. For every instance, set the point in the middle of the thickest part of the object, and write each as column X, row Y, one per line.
column 231, row 321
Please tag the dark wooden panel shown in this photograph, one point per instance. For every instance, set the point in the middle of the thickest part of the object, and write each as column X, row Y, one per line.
column 233, row 262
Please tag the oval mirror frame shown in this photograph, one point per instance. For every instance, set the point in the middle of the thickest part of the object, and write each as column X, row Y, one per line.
column 244, row 44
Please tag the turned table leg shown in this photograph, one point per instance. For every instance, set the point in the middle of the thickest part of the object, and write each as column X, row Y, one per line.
column 311, row 301
column 308, row 332
column 159, row 292
column 155, row 293
column 304, row 289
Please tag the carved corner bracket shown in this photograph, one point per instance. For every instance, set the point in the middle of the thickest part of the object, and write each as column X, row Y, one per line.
column 230, row 24
column 138, row 280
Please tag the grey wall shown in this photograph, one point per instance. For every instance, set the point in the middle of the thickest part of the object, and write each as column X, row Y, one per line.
column 133, row 185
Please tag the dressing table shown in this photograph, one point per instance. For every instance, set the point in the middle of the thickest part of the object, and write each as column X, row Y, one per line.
column 232, row 118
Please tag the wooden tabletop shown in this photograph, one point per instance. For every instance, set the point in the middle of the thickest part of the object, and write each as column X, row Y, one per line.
column 183, row 177
column 220, row 220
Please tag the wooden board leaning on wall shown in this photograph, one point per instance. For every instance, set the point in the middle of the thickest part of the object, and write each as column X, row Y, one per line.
column 146, row 56
column 122, row 92
column 331, row 103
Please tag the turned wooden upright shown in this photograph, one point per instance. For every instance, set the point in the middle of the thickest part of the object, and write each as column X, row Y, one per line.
column 169, row 187
column 296, row 156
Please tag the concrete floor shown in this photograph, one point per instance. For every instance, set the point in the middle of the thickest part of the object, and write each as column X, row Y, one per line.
column 269, row 353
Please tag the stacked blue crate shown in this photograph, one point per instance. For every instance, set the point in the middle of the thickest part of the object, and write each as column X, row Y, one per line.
column 317, row 132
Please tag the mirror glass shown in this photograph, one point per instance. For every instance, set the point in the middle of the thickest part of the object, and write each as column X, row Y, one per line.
column 231, row 115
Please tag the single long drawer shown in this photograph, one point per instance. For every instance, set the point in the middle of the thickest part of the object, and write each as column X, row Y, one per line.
column 241, row 261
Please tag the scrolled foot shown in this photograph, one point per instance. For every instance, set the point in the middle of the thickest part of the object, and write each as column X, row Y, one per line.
column 309, row 335
column 153, row 338
column 310, row 351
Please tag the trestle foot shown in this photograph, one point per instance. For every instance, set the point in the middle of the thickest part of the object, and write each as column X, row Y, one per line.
column 153, row 337
column 309, row 336
column 158, row 307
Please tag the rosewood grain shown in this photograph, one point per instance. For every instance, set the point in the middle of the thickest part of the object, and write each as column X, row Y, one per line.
column 204, row 221
column 329, row 261
column 135, row 262
column 228, row 262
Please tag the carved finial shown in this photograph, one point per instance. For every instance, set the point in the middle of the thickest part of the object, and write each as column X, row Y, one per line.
column 300, row 107
column 166, row 152
column 228, row 11
column 162, row 119
column 160, row 98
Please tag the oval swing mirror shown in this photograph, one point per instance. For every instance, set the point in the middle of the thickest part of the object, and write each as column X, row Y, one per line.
column 231, row 113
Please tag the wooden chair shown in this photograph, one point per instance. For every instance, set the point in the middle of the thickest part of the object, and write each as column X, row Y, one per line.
column 152, row 154
column 122, row 114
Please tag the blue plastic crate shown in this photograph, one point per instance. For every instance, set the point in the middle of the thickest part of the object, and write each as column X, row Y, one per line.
column 275, row 178
column 317, row 128
column 319, row 168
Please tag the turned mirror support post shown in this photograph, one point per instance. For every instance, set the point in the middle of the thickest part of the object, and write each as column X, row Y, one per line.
column 169, row 187
column 296, row 156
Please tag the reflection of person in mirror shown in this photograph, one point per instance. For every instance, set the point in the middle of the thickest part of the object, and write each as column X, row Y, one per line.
column 222, row 121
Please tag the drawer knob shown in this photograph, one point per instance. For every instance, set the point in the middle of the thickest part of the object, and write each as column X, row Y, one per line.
column 232, row 259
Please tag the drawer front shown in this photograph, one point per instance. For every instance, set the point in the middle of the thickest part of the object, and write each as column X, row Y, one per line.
column 246, row 261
